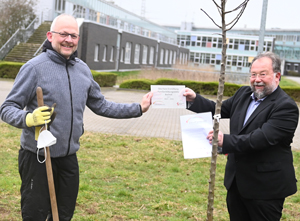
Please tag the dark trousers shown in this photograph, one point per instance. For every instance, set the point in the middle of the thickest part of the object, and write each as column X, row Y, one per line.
column 243, row 209
column 35, row 199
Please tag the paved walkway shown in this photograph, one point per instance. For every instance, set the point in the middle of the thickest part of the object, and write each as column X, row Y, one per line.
column 163, row 123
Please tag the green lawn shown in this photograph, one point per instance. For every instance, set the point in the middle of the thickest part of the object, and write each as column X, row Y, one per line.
column 288, row 83
column 131, row 178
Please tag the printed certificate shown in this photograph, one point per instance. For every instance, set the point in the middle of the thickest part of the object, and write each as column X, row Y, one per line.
column 168, row 96
column 194, row 130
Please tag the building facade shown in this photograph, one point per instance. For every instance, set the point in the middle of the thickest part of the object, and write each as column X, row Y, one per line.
column 242, row 46
column 205, row 49
column 112, row 38
column 107, row 48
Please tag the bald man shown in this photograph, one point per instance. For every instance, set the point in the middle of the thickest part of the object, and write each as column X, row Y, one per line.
column 68, row 82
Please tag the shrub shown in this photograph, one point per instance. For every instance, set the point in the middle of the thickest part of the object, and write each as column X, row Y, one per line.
column 167, row 81
column 293, row 73
column 142, row 84
column 104, row 79
column 293, row 92
column 9, row 69
column 206, row 88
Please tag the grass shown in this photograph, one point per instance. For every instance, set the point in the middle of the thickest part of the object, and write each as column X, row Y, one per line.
column 131, row 178
column 126, row 73
column 285, row 82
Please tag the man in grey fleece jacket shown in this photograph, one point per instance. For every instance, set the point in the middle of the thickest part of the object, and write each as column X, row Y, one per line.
column 68, row 82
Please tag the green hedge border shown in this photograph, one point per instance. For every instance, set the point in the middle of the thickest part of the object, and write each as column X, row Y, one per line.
column 207, row 88
column 9, row 70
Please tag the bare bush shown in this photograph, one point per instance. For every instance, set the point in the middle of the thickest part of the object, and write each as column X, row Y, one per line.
column 14, row 14
column 183, row 72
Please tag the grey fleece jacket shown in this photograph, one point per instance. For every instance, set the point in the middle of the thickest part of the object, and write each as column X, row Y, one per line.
column 69, row 84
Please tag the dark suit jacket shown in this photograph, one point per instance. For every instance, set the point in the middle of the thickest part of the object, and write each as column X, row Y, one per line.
column 259, row 153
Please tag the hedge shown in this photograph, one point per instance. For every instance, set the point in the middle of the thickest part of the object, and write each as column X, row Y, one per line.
column 206, row 88
column 105, row 79
column 11, row 69
column 141, row 84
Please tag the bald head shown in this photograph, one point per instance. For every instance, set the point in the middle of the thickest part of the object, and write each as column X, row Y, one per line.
column 64, row 35
column 63, row 18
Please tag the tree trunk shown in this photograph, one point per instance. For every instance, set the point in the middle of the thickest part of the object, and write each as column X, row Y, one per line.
column 213, row 166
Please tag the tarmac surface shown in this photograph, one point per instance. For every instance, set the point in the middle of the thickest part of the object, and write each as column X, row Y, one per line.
column 164, row 123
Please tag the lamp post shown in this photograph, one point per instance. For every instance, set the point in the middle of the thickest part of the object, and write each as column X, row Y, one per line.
column 262, row 27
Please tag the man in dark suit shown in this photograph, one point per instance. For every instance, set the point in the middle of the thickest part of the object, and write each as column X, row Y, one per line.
column 263, row 118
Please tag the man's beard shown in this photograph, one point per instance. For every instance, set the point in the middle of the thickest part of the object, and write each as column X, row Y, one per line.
column 268, row 89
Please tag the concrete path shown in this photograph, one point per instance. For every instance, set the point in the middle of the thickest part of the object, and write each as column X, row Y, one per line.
column 163, row 123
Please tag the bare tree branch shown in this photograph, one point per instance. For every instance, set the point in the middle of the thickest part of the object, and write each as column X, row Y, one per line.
column 210, row 18
column 218, row 6
column 241, row 5
column 237, row 18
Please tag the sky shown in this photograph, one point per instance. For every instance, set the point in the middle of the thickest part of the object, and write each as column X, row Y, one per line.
column 282, row 14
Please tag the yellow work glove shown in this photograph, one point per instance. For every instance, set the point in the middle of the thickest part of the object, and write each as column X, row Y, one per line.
column 38, row 128
column 39, row 116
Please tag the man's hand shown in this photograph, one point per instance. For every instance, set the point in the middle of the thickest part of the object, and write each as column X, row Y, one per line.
column 220, row 138
column 189, row 94
column 146, row 101
column 40, row 116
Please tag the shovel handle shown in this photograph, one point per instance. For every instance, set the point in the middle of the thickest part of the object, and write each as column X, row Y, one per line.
column 40, row 100
column 39, row 95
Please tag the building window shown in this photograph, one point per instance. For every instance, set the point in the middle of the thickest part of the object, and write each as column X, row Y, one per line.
column 122, row 55
column 288, row 66
column 174, row 58
column 247, row 43
column 151, row 58
column 296, row 67
column 180, row 57
column 170, row 57
column 60, row 5
column 166, row 56
column 104, row 53
column 290, row 38
column 145, row 52
column 96, row 53
column 127, row 52
column 137, row 54
column 112, row 54
column 161, row 60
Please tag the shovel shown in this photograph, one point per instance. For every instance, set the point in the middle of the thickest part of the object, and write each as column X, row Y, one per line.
column 40, row 100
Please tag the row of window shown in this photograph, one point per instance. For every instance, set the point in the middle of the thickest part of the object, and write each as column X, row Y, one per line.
column 166, row 56
column 293, row 38
column 288, row 67
column 80, row 12
column 215, row 59
column 288, row 52
column 104, row 58
column 215, row 42
column 127, row 58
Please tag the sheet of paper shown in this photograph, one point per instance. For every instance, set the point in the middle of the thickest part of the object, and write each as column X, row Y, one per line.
column 194, row 130
column 168, row 96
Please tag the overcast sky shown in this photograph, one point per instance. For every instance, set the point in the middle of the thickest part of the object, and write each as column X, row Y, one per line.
column 281, row 13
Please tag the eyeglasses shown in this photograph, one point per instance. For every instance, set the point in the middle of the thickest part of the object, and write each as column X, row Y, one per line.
column 65, row 35
column 261, row 76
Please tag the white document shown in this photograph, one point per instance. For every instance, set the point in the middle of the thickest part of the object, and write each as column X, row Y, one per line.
column 168, row 96
column 194, row 130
